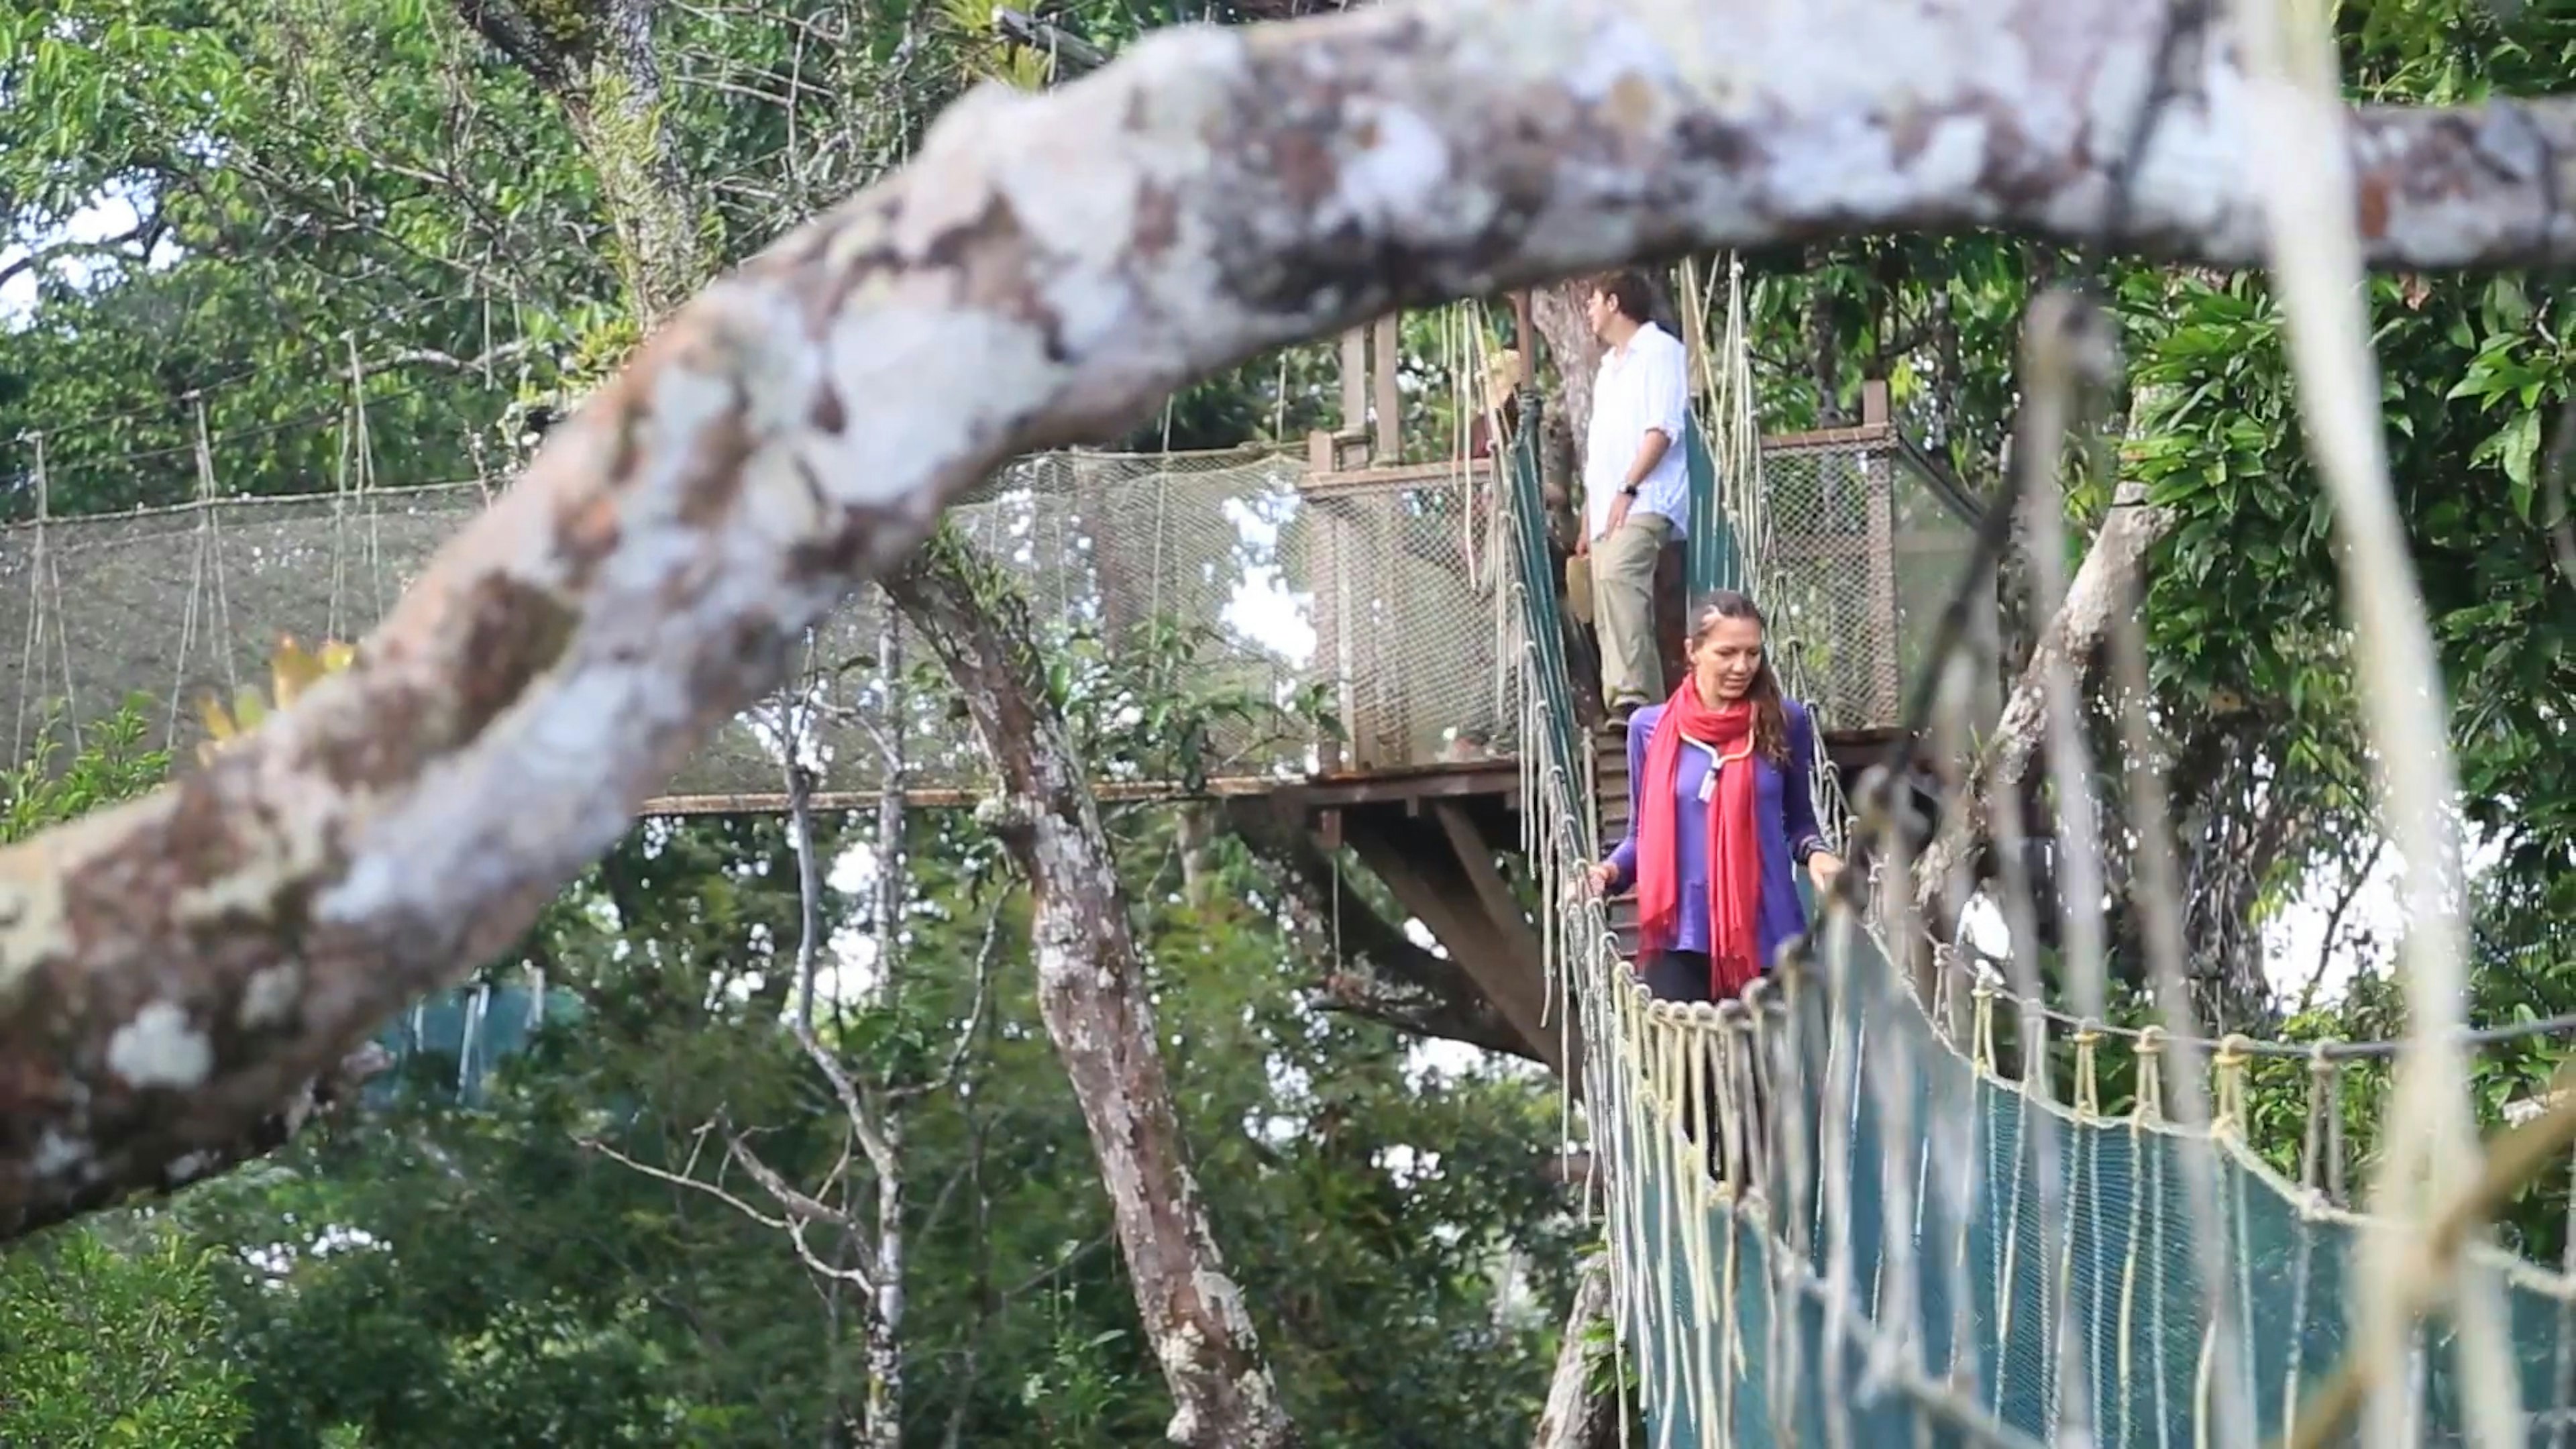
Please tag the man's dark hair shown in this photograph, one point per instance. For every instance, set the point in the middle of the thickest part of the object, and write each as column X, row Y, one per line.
column 1630, row 292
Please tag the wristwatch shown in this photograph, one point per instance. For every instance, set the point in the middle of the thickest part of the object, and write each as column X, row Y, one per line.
column 1628, row 492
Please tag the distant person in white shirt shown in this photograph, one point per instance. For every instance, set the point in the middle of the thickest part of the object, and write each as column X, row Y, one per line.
column 1636, row 483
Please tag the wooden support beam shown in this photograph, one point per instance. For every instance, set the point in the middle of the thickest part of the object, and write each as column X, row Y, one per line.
column 1387, row 435
column 1469, row 845
column 1355, row 396
column 1873, row 403
column 1503, row 955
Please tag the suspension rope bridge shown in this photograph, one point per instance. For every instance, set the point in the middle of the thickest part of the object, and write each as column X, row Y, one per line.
column 1914, row 1233
column 1890, row 1230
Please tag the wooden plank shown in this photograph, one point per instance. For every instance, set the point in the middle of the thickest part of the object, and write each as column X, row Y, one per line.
column 1322, row 794
column 1494, row 776
column 1354, row 380
column 1867, row 435
column 1387, row 437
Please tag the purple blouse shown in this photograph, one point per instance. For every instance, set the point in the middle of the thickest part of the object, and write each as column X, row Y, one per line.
column 1785, row 809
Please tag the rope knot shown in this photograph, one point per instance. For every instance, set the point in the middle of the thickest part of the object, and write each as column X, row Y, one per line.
column 2151, row 1076
column 2227, row 1082
column 2088, row 1077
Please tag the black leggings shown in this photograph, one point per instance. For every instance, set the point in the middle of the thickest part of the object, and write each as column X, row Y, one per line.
column 1683, row 976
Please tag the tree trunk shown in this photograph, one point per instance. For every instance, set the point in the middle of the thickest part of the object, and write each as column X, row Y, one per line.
column 893, row 892
column 1195, row 827
column 2075, row 639
column 1093, row 995
column 599, row 60
column 1824, row 347
column 1558, row 314
column 1583, row 1398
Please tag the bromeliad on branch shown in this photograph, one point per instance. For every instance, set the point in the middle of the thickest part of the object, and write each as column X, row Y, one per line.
column 292, row 669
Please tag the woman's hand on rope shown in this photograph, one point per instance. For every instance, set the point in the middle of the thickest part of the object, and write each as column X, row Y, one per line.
column 1822, row 867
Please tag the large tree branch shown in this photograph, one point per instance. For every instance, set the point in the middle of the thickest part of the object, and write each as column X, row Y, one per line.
column 2074, row 640
column 551, row 54
column 1047, row 270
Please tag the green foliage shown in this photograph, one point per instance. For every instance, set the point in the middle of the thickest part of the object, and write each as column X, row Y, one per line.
column 102, row 1344
column 112, row 764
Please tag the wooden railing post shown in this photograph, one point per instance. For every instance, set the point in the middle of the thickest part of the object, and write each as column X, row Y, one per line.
column 1387, row 436
column 1332, row 589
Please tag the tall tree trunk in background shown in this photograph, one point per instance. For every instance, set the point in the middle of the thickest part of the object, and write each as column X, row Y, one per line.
column 893, row 890
column 1583, row 1399
column 1093, row 994
column 618, row 115
column 2073, row 640
column 1194, row 826
column 1557, row 313
column 1824, row 348
column 598, row 59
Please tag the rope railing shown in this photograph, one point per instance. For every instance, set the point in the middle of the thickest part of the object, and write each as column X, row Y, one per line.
column 2328, row 1048
column 1829, row 1220
column 1208, row 563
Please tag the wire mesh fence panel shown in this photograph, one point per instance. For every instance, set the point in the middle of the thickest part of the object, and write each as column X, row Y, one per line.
column 1295, row 618
column 1857, row 558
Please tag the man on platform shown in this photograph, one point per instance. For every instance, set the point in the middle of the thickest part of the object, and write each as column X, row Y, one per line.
column 1636, row 483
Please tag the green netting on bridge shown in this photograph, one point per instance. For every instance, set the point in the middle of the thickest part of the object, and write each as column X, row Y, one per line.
column 1938, row 1254
column 1377, row 603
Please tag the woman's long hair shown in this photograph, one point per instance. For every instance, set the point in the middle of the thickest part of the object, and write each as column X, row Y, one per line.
column 1770, row 716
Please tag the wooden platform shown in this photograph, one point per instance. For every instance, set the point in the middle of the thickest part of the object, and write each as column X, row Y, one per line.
column 1493, row 775
column 1444, row 839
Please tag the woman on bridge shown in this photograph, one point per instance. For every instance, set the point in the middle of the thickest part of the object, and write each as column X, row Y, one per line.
column 1721, row 811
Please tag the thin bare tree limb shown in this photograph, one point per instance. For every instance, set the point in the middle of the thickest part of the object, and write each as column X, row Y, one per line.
column 987, row 951
column 1047, row 269
column 684, row 1179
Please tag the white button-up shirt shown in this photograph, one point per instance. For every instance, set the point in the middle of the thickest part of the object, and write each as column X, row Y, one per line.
column 1645, row 384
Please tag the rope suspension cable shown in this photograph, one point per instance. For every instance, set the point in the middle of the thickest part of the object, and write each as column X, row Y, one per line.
column 37, row 600
column 2562, row 1024
column 206, row 491
column 202, row 562
column 363, row 443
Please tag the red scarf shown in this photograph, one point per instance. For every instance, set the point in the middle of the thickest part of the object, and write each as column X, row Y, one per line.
column 1734, row 854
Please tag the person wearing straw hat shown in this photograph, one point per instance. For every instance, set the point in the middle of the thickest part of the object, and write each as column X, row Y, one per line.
column 1505, row 372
